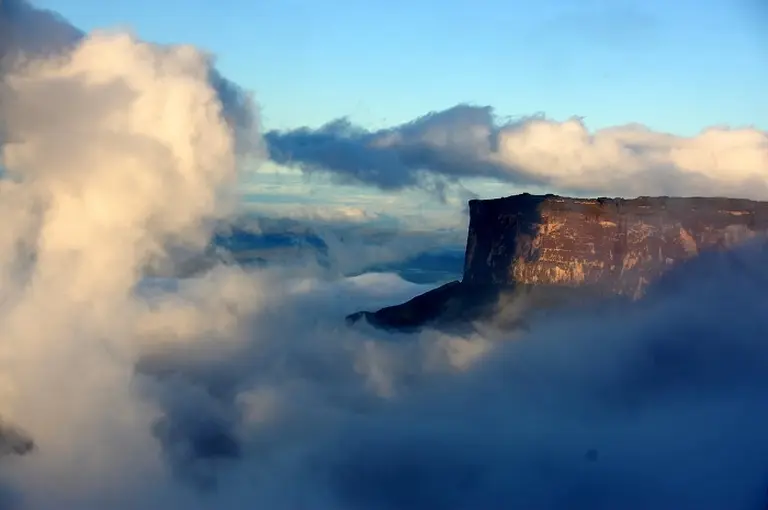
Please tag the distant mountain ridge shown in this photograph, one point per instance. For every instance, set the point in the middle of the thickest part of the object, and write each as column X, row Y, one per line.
column 263, row 242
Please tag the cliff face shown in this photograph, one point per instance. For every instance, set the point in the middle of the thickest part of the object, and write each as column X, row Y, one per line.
column 533, row 245
column 616, row 245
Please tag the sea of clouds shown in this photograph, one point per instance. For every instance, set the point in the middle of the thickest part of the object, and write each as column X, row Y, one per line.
column 245, row 388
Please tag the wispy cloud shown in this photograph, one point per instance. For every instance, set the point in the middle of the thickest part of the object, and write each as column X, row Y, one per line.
column 296, row 195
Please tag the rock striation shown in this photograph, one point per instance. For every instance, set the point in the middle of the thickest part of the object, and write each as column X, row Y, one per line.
column 550, row 245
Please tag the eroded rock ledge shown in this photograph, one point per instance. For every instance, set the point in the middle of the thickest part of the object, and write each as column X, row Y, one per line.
column 546, row 246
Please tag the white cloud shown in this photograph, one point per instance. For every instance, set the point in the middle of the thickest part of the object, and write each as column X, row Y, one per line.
column 116, row 151
column 560, row 156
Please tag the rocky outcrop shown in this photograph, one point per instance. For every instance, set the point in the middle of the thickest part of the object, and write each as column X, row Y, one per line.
column 619, row 245
column 607, row 246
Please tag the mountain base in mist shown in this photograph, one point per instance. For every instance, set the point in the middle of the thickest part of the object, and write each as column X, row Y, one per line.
column 458, row 304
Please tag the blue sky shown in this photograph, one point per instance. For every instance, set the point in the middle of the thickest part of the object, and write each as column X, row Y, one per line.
column 675, row 65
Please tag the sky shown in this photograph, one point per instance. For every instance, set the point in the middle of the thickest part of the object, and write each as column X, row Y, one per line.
column 673, row 66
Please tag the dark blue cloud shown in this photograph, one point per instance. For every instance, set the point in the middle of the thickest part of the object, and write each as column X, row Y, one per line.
column 451, row 143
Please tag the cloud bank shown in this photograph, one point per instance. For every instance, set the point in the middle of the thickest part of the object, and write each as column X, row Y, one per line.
column 240, row 388
column 469, row 141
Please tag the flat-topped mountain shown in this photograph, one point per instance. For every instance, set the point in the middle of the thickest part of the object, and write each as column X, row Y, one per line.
column 548, row 247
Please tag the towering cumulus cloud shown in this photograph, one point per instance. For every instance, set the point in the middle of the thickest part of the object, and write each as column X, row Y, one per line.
column 114, row 150
column 468, row 141
column 27, row 32
column 24, row 28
